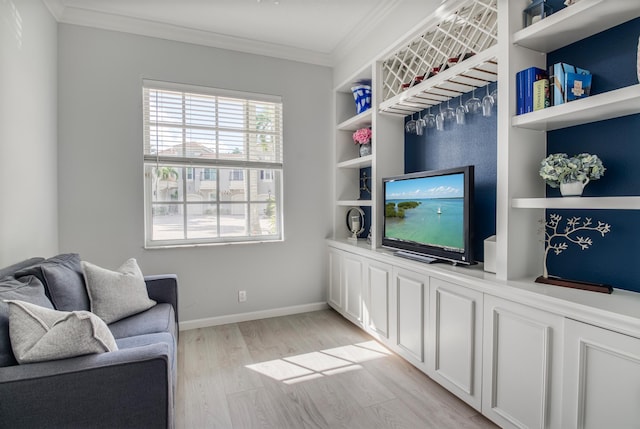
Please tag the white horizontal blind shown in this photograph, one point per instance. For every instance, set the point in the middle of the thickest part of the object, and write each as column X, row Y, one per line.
column 213, row 165
column 215, row 126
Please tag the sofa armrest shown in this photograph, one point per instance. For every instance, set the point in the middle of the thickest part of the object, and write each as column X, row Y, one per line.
column 128, row 388
column 163, row 288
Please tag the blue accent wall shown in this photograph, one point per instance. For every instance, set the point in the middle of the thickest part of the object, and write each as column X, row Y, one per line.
column 613, row 259
column 474, row 143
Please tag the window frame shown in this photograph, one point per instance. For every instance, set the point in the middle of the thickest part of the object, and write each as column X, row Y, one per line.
column 249, row 168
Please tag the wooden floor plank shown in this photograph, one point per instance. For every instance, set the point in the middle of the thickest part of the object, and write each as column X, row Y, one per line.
column 312, row 370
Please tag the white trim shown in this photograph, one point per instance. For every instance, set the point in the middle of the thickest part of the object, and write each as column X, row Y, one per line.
column 254, row 315
column 69, row 14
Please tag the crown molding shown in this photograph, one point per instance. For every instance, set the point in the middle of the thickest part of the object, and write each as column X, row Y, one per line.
column 363, row 29
column 55, row 7
column 142, row 27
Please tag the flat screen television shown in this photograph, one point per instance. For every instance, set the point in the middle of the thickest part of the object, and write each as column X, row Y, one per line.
column 428, row 215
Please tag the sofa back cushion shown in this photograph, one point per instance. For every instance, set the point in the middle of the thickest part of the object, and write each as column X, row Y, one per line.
column 11, row 269
column 63, row 279
column 28, row 289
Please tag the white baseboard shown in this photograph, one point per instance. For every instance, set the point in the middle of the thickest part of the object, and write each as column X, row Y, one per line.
column 255, row 315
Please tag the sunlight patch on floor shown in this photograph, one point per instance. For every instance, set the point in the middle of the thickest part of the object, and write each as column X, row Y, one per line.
column 310, row 366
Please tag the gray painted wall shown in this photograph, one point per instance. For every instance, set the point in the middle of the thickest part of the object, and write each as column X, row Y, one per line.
column 28, row 185
column 101, row 172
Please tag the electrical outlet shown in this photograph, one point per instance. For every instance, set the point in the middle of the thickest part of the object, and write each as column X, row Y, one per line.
column 242, row 295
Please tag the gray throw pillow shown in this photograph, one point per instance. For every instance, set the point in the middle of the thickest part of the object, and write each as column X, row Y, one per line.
column 63, row 280
column 115, row 295
column 41, row 334
column 26, row 289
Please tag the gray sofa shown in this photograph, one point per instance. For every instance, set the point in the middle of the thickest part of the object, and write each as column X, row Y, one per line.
column 132, row 387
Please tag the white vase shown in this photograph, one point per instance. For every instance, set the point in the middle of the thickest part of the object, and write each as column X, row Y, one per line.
column 365, row 149
column 573, row 189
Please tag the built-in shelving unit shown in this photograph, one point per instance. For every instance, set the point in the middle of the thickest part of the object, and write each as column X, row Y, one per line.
column 356, row 122
column 507, row 49
column 579, row 21
column 600, row 107
column 522, row 138
column 361, row 162
column 604, row 203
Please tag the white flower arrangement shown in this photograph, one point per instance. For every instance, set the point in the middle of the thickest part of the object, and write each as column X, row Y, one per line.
column 558, row 168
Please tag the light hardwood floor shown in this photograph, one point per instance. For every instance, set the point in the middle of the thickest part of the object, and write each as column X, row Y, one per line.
column 311, row 370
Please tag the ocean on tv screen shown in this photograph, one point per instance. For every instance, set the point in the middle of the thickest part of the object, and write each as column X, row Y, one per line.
column 434, row 221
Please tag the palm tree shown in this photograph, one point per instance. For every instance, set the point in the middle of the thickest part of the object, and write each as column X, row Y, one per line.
column 166, row 174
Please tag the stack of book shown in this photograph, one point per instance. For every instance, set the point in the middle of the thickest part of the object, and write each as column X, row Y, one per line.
column 537, row 90
column 532, row 90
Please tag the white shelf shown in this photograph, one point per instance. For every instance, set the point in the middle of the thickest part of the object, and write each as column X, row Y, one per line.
column 608, row 105
column 576, row 22
column 362, row 120
column 599, row 203
column 474, row 72
column 362, row 162
column 357, row 203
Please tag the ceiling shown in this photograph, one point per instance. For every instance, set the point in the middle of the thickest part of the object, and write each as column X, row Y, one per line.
column 314, row 31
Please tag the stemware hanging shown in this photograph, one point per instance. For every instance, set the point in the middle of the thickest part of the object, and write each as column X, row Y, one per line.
column 440, row 120
column 487, row 104
column 473, row 104
column 449, row 112
column 461, row 112
column 430, row 119
column 420, row 124
column 410, row 126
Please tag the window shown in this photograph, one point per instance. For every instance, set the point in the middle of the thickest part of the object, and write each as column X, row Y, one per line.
column 213, row 165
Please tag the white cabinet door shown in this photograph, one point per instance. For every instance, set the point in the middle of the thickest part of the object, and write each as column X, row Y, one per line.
column 335, row 279
column 378, row 282
column 522, row 360
column 352, row 280
column 409, row 293
column 455, row 339
column 601, row 378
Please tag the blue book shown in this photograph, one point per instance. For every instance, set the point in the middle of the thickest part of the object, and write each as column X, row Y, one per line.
column 520, row 93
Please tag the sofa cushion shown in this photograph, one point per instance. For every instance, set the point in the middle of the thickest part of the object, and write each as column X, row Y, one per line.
column 148, row 339
column 160, row 318
column 26, row 289
column 41, row 334
column 115, row 295
column 11, row 269
column 63, row 279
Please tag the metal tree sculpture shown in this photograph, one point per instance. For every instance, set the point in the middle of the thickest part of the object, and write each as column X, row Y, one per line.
column 569, row 234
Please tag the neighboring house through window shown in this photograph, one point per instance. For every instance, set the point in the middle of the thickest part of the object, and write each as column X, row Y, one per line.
column 213, row 165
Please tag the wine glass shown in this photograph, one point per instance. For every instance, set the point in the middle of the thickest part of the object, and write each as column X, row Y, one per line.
column 487, row 104
column 420, row 124
column 430, row 118
column 449, row 113
column 440, row 120
column 410, row 126
column 494, row 95
column 473, row 104
column 461, row 112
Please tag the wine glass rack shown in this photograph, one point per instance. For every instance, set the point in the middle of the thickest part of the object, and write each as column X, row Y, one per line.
column 450, row 58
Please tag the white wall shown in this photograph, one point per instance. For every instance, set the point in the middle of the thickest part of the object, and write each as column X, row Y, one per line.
column 101, row 173
column 28, row 185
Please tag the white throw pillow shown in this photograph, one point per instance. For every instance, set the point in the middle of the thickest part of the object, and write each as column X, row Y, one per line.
column 115, row 295
column 41, row 334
